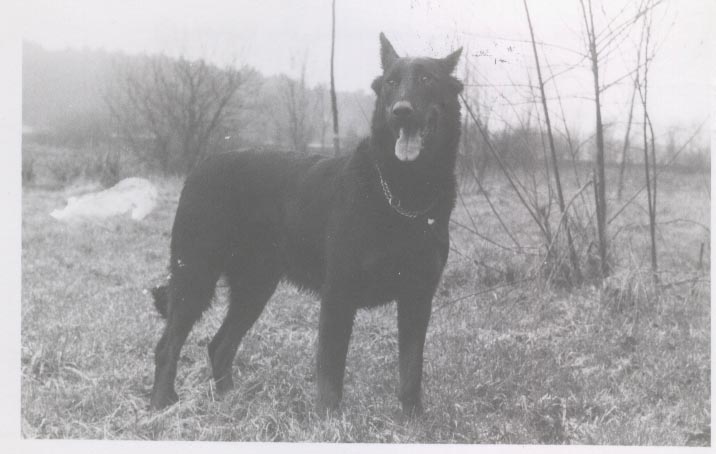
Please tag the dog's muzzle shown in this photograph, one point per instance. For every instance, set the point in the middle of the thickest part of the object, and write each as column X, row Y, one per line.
column 411, row 140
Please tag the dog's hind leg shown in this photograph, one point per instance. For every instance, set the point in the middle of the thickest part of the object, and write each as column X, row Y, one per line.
column 190, row 291
column 251, row 288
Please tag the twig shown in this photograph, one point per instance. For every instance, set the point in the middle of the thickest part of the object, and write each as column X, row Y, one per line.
column 481, row 292
column 691, row 280
column 494, row 210
column 566, row 209
column 475, row 232
column 658, row 224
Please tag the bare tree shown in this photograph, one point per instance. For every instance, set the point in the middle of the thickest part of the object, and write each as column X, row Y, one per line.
column 599, row 182
column 555, row 166
column 323, row 120
column 626, row 143
column 181, row 106
column 648, row 133
column 600, row 46
column 334, row 104
column 299, row 106
column 625, row 146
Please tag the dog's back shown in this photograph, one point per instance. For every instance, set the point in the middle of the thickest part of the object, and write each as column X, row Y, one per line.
column 252, row 205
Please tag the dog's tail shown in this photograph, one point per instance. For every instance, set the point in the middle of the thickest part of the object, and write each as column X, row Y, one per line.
column 161, row 299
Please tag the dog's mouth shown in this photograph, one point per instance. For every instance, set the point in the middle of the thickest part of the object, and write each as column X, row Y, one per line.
column 412, row 141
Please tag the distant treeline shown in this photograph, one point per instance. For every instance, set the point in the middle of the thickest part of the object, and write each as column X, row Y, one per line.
column 152, row 104
column 167, row 113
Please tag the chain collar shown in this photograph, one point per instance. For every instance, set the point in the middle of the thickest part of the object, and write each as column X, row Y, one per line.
column 395, row 203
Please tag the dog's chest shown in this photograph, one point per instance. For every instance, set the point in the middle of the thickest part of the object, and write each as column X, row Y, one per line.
column 391, row 265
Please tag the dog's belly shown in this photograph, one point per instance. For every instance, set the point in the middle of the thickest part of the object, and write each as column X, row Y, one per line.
column 379, row 275
column 303, row 267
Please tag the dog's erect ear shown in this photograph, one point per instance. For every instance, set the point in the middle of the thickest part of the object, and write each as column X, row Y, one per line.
column 450, row 62
column 387, row 53
column 456, row 85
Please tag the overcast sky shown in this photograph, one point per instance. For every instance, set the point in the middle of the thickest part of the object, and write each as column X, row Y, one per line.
column 276, row 36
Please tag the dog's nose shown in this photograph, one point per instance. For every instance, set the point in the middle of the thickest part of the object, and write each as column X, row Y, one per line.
column 402, row 109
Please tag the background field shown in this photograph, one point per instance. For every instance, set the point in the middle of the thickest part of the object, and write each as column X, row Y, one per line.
column 521, row 360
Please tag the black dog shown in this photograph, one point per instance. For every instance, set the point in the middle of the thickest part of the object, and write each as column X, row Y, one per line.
column 360, row 230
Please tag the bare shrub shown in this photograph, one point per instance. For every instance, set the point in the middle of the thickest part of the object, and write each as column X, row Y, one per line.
column 104, row 165
column 28, row 168
column 174, row 111
column 298, row 104
column 60, row 167
column 625, row 292
column 65, row 169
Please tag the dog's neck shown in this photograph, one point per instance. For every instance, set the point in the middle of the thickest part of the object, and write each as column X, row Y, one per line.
column 419, row 185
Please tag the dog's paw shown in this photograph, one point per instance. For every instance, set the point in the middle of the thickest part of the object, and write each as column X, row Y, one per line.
column 162, row 400
column 327, row 407
column 412, row 409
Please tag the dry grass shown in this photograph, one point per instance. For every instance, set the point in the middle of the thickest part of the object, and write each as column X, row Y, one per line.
column 519, row 362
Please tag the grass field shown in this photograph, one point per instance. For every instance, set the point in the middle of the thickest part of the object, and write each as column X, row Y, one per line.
column 518, row 362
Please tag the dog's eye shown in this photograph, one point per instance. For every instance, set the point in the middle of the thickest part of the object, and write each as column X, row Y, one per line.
column 392, row 82
column 426, row 79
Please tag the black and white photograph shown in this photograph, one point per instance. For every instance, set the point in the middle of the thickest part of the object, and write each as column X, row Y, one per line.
column 422, row 222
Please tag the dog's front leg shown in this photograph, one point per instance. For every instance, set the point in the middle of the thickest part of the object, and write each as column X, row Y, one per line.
column 334, row 332
column 413, row 318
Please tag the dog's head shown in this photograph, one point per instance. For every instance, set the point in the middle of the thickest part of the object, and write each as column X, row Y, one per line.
column 417, row 100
